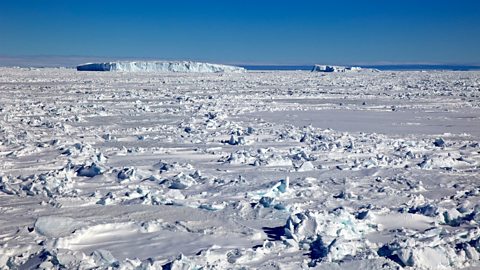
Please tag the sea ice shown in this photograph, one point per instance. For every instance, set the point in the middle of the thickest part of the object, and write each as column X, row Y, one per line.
column 238, row 170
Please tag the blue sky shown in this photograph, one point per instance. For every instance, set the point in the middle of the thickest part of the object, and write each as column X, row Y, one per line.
column 246, row 32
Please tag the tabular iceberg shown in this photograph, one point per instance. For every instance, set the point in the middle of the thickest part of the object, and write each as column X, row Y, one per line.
column 327, row 68
column 158, row 66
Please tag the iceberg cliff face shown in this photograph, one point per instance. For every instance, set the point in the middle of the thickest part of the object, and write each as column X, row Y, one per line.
column 158, row 66
column 327, row 68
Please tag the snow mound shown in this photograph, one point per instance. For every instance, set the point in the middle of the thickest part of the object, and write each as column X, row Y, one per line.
column 327, row 68
column 158, row 66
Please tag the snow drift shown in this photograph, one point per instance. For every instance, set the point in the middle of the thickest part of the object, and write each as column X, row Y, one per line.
column 158, row 66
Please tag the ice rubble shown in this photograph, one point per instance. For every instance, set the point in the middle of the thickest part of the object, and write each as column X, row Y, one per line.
column 49, row 184
column 435, row 248
column 269, row 197
column 261, row 157
column 329, row 236
column 81, row 164
column 158, row 66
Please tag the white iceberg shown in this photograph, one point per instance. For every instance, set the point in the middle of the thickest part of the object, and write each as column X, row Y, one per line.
column 328, row 68
column 159, row 66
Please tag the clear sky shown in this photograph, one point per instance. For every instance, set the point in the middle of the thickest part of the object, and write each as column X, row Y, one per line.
column 246, row 32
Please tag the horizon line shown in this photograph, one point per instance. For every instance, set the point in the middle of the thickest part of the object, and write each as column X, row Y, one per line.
column 69, row 61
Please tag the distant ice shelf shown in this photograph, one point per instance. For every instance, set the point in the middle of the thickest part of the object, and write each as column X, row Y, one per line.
column 327, row 68
column 159, row 66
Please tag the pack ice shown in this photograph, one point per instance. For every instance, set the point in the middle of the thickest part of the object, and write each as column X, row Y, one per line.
column 250, row 170
column 158, row 66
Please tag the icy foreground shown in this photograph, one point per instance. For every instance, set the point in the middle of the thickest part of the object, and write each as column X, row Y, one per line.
column 158, row 66
column 255, row 170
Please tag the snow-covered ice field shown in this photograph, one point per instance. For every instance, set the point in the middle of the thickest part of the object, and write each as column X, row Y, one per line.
column 254, row 170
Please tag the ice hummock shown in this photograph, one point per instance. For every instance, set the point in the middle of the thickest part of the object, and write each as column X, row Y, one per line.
column 158, row 66
column 329, row 236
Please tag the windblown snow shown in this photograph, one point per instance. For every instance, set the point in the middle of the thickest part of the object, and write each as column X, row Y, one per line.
column 158, row 66
column 252, row 170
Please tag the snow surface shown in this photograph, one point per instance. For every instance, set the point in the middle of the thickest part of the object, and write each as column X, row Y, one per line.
column 158, row 66
column 253, row 170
